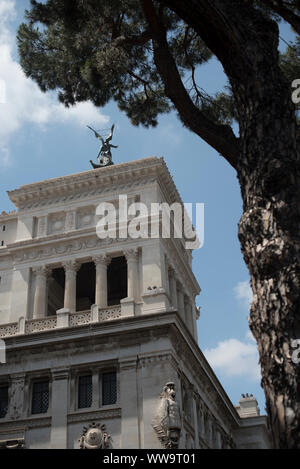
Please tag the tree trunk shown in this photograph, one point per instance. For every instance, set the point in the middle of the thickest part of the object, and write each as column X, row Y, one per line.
column 269, row 174
column 268, row 169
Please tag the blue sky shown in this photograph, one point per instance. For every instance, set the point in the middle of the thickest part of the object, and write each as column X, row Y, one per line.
column 39, row 139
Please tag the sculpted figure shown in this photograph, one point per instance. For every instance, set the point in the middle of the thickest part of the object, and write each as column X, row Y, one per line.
column 167, row 421
column 104, row 156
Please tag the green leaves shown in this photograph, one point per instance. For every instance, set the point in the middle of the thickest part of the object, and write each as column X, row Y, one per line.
column 91, row 50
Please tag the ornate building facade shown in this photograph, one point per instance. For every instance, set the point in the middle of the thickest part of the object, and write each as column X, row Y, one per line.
column 100, row 334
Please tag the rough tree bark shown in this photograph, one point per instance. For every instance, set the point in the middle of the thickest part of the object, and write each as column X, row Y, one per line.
column 268, row 169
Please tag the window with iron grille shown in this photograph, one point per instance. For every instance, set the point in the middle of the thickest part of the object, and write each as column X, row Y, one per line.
column 85, row 391
column 3, row 401
column 40, row 397
column 109, row 388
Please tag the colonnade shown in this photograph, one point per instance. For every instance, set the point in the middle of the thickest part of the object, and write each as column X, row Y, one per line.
column 71, row 268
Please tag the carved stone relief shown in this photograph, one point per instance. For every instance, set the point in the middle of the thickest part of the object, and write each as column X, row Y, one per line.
column 56, row 223
column 16, row 393
column 167, row 422
column 95, row 436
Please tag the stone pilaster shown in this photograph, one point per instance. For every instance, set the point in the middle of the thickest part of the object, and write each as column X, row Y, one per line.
column 16, row 396
column 101, row 262
column 172, row 287
column 189, row 315
column 71, row 220
column 40, row 294
column 130, row 423
column 71, row 267
column 42, row 226
column 59, row 412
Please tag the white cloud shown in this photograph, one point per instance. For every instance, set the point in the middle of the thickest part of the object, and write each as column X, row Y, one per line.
column 23, row 100
column 243, row 292
column 235, row 358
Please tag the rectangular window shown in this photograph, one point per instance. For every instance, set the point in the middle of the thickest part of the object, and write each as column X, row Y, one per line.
column 40, row 397
column 85, row 391
column 3, row 401
column 109, row 388
column 3, row 229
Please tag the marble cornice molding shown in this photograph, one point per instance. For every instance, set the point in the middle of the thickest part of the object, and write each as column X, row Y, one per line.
column 128, row 363
column 94, row 415
column 76, row 184
column 153, row 359
column 24, row 424
column 60, row 373
column 57, row 247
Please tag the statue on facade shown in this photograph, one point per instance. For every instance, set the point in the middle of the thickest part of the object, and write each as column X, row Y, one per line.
column 95, row 436
column 167, row 421
column 104, row 157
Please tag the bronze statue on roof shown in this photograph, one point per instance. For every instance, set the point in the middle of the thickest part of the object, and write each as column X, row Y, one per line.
column 104, row 157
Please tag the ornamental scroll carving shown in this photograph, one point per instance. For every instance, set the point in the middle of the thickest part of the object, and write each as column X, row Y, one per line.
column 95, row 436
column 168, row 421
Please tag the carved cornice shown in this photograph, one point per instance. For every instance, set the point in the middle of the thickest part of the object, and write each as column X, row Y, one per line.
column 94, row 415
column 10, row 425
column 64, row 247
column 151, row 360
column 91, row 182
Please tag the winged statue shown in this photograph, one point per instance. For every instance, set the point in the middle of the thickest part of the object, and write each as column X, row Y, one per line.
column 104, row 157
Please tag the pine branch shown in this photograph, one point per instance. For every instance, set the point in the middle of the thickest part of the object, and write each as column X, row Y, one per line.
column 220, row 137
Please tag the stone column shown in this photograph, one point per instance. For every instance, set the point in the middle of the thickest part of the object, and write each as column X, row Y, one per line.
column 101, row 262
column 173, row 288
column 40, row 294
column 59, row 424
column 71, row 268
column 132, row 257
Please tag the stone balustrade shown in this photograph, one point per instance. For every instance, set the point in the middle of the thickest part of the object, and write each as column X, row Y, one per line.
column 48, row 323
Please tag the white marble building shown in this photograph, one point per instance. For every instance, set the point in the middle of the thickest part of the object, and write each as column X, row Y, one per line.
column 94, row 328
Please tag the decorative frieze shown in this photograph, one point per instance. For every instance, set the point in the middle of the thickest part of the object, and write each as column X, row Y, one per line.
column 96, row 415
column 110, row 313
column 8, row 330
column 56, row 223
column 50, row 322
column 39, row 325
column 80, row 319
